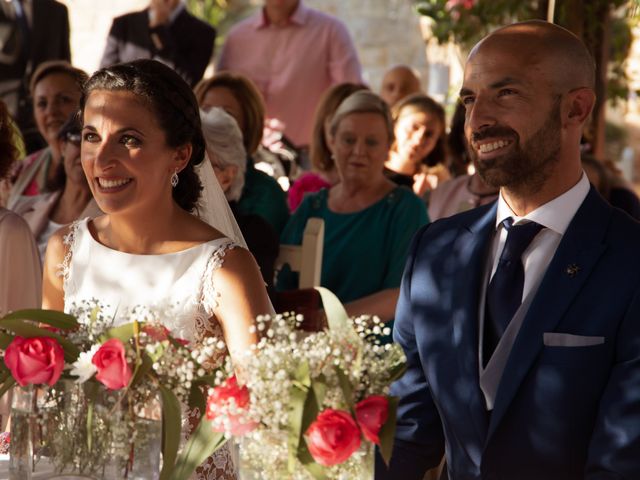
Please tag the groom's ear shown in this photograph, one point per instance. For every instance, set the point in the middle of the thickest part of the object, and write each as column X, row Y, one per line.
column 182, row 156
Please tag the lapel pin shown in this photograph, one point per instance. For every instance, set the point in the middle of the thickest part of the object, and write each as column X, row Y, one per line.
column 572, row 270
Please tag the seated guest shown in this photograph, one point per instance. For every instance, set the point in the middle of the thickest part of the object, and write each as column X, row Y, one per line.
column 417, row 157
column 228, row 158
column 324, row 174
column 398, row 82
column 369, row 220
column 70, row 198
column 56, row 87
column 239, row 97
column 611, row 185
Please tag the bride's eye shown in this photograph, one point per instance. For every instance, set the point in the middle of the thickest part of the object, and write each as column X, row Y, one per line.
column 130, row 141
column 90, row 137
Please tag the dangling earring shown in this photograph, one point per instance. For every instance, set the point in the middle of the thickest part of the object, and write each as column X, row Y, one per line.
column 174, row 179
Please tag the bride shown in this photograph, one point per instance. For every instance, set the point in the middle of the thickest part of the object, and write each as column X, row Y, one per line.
column 142, row 145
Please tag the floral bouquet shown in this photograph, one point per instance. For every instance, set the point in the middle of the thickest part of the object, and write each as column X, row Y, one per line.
column 310, row 405
column 103, row 400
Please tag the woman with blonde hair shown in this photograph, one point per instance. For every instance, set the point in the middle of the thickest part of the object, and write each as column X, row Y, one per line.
column 56, row 87
column 369, row 220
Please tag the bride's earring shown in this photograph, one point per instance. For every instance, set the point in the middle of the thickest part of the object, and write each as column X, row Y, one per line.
column 174, row 179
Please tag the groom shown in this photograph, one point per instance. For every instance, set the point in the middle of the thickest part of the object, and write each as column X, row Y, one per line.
column 521, row 320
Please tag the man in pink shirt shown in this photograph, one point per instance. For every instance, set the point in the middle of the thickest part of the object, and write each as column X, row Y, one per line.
column 293, row 54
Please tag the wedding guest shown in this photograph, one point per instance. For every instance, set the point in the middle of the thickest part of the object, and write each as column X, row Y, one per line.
column 20, row 271
column 398, row 82
column 36, row 32
column 229, row 160
column 324, row 174
column 319, row 53
column 56, row 87
column 369, row 220
column 417, row 158
column 164, row 31
column 141, row 142
column 238, row 96
column 70, row 198
column 459, row 195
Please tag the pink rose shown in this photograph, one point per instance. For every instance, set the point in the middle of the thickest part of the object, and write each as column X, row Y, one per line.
column 111, row 363
column 33, row 361
column 227, row 408
column 160, row 333
column 371, row 413
column 332, row 437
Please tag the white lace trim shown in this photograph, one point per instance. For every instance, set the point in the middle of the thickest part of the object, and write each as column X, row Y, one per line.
column 208, row 293
column 69, row 241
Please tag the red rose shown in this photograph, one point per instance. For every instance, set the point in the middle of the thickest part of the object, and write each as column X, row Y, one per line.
column 33, row 361
column 332, row 437
column 371, row 413
column 111, row 363
column 227, row 408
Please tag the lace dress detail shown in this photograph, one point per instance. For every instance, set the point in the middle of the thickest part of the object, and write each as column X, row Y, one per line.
column 176, row 289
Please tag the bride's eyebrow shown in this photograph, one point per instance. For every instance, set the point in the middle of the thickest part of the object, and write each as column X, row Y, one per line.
column 120, row 130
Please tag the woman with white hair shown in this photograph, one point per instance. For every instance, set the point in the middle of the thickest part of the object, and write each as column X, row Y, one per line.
column 227, row 154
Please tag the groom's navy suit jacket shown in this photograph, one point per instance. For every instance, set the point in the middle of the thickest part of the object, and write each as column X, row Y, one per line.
column 562, row 411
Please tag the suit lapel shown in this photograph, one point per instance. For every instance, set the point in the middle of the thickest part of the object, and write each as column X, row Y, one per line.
column 579, row 250
column 470, row 248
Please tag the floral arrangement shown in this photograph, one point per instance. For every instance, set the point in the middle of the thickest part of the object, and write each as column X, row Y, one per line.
column 310, row 405
column 89, row 372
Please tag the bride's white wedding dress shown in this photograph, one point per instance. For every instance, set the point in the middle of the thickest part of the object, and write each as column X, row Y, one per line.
column 176, row 287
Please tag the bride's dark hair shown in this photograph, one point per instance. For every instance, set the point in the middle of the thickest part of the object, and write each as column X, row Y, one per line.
column 174, row 105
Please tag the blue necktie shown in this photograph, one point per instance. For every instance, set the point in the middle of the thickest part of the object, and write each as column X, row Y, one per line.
column 504, row 294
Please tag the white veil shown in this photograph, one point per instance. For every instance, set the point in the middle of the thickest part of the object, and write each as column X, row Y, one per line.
column 213, row 207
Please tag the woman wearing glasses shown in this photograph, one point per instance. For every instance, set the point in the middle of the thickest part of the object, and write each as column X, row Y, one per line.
column 70, row 197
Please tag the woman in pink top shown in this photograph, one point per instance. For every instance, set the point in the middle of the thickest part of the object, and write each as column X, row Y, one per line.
column 55, row 87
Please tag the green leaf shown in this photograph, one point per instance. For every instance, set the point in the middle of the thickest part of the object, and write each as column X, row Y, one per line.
column 6, row 385
column 171, row 428
column 5, row 340
column 26, row 329
column 347, row 389
column 202, row 443
column 319, row 386
column 196, row 398
column 388, row 430
column 143, row 366
column 124, row 333
column 337, row 317
column 298, row 397
column 397, row 371
column 54, row 318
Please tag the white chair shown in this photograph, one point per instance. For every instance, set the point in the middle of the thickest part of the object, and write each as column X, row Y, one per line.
column 306, row 258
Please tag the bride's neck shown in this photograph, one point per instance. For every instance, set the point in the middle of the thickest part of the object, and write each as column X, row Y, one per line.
column 140, row 235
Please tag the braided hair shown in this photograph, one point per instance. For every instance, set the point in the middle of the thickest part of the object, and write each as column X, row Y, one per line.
column 176, row 109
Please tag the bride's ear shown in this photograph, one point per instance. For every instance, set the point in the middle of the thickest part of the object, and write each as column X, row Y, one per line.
column 182, row 156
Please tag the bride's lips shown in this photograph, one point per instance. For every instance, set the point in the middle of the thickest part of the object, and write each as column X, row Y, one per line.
column 112, row 184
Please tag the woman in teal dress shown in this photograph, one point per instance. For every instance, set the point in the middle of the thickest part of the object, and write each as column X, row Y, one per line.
column 369, row 220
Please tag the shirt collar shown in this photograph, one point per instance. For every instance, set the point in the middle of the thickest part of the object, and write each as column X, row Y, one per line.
column 298, row 17
column 174, row 14
column 555, row 214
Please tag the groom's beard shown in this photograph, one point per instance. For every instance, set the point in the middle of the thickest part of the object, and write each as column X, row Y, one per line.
column 525, row 167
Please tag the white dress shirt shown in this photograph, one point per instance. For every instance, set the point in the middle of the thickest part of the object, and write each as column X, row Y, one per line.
column 555, row 217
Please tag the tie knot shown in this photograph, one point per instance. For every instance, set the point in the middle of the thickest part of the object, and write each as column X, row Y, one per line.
column 518, row 238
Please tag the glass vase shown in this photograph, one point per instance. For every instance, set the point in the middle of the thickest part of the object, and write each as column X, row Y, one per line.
column 264, row 455
column 83, row 431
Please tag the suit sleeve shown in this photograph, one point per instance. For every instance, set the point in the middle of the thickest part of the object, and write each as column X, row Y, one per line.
column 419, row 440
column 111, row 54
column 614, row 450
column 188, row 46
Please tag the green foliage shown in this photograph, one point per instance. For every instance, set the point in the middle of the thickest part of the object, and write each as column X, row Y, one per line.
column 467, row 21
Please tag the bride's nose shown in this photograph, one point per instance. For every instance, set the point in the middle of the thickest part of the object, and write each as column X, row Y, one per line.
column 104, row 156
